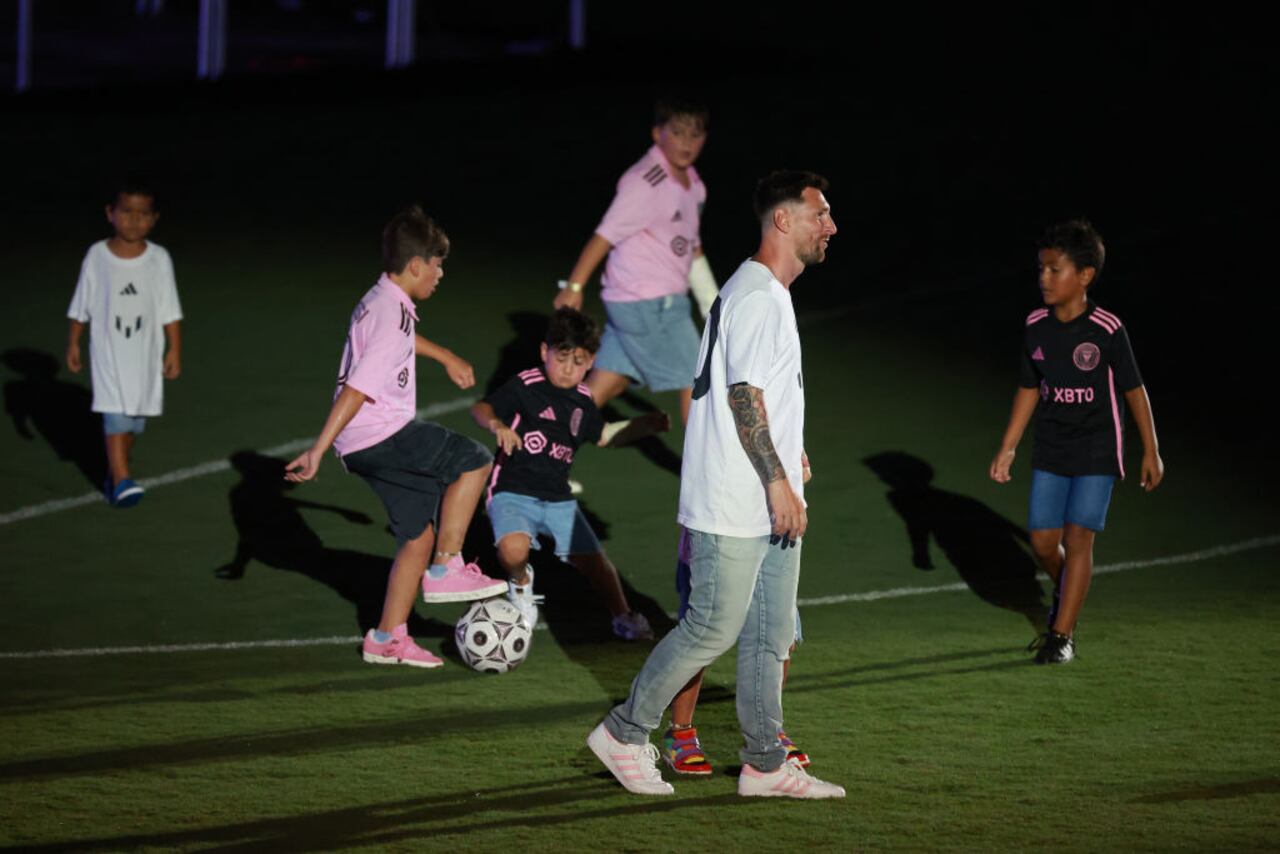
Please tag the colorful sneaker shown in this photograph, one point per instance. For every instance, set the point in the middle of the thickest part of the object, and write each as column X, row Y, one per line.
column 795, row 755
column 462, row 583
column 635, row 766
column 524, row 599
column 1053, row 648
column 399, row 650
column 632, row 627
column 683, row 753
column 126, row 494
column 786, row 781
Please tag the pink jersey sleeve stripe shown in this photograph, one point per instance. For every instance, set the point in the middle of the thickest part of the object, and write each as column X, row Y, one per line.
column 1106, row 315
column 1115, row 416
column 1104, row 323
column 582, row 387
column 531, row 379
column 1038, row 315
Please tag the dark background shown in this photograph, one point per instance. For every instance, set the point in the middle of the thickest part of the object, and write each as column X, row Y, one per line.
column 951, row 137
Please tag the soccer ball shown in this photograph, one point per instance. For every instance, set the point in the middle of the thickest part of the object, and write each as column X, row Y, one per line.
column 493, row 636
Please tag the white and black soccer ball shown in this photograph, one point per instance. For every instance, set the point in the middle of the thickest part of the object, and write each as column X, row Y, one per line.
column 493, row 636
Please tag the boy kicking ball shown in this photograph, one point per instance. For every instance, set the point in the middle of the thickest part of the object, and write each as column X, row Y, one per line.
column 429, row 478
column 540, row 417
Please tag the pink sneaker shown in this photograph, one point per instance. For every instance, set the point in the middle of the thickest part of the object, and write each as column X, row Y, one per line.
column 399, row 650
column 462, row 583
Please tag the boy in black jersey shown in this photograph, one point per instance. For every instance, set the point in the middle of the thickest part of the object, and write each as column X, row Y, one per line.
column 540, row 418
column 1078, row 372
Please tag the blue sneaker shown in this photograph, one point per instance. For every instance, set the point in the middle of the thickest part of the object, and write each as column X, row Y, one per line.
column 126, row 494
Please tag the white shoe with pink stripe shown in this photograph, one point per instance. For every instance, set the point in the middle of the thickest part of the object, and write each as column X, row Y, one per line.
column 787, row 781
column 635, row 765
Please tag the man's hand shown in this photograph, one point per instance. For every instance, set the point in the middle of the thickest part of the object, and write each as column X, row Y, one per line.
column 460, row 371
column 786, row 510
column 1000, row 466
column 304, row 466
column 73, row 358
column 172, row 365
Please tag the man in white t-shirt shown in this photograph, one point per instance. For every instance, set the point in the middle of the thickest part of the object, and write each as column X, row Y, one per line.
column 741, row 499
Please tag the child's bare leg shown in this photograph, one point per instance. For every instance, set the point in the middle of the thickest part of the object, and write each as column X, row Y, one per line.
column 1078, row 572
column 119, row 446
column 1050, row 554
column 686, row 398
column 686, row 701
column 458, row 506
column 513, row 555
column 603, row 576
column 405, row 580
column 606, row 385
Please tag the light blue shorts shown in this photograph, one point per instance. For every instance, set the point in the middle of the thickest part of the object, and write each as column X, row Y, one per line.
column 562, row 521
column 1056, row 499
column 114, row 423
column 653, row 341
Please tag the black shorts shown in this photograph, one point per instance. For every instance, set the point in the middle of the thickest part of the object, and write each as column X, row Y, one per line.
column 410, row 470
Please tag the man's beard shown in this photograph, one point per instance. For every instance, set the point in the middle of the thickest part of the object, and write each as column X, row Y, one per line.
column 816, row 255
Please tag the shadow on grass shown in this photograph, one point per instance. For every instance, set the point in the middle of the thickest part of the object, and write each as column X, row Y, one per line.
column 1242, row 789
column 454, row 815
column 60, row 412
column 293, row 742
column 272, row 531
column 987, row 550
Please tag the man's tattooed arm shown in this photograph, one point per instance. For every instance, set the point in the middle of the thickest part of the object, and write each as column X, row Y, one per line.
column 747, row 404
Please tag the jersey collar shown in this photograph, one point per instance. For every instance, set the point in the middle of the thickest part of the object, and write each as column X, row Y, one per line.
column 385, row 283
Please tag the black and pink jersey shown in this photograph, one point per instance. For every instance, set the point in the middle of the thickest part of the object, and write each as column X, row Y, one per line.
column 1082, row 368
column 552, row 422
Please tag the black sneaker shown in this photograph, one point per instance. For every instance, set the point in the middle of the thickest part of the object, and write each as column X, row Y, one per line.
column 1053, row 648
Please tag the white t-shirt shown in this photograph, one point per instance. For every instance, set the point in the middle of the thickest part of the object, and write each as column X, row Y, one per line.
column 750, row 337
column 127, row 302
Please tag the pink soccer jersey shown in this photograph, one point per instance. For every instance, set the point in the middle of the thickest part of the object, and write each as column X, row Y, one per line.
column 378, row 361
column 653, row 226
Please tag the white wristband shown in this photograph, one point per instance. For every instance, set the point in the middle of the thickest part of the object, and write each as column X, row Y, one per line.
column 702, row 284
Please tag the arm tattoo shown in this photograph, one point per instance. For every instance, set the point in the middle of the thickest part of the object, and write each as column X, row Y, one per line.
column 749, row 416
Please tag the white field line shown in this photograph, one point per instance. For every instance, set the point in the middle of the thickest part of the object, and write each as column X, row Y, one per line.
column 211, row 467
column 872, row 596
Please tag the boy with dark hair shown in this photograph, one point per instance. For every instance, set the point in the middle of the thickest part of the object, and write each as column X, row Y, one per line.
column 127, row 294
column 540, row 418
column 1075, row 355
column 429, row 478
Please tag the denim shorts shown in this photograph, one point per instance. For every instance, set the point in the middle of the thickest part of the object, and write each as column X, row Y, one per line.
column 411, row 469
column 114, row 423
column 1056, row 500
column 653, row 341
column 562, row 521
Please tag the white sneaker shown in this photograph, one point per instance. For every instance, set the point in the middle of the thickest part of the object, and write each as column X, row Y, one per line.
column 634, row 765
column 632, row 626
column 524, row 599
column 786, row 781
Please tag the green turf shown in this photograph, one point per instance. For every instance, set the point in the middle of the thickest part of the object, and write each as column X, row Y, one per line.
column 1163, row 735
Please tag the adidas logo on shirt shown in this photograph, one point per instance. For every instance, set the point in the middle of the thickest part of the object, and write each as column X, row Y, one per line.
column 129, row 291
column 679, row 217
column 1038, row 355
column 547, row 414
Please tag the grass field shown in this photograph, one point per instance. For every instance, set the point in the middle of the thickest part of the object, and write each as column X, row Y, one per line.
column 150, row 703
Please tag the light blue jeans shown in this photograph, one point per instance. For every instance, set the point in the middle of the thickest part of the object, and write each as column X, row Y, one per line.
column 744, row 590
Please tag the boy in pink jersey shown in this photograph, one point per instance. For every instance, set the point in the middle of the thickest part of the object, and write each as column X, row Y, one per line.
column 429, row 478
column 650, row 237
